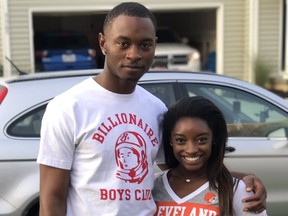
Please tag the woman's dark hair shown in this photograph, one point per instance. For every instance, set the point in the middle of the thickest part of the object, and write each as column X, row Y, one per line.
column 220, row 179
column 132, row 9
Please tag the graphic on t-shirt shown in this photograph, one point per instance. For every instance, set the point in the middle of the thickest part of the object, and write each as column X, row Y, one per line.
column 131, row 159
column 210, row 198
column 185, row 209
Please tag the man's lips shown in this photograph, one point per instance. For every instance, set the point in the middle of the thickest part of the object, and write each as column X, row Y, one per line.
column 134, row 67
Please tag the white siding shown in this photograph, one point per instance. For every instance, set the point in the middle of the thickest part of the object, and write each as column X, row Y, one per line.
column 247, row 46
column 234, row 38
column 269, row 32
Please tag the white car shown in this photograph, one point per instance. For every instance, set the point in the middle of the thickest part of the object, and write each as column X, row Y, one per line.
column 174, row 53
column 257, row 123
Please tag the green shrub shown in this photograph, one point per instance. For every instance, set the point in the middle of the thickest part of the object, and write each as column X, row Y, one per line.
column 262, row 72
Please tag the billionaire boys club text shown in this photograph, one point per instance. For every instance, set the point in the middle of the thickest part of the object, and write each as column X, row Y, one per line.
column 125, row 194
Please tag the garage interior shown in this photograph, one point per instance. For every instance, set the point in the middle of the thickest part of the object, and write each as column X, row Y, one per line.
column 197, row 25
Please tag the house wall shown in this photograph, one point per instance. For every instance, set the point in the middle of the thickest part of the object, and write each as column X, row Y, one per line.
column 234, row 39
column 270, row 24
column 239, row 55
column 234, row 50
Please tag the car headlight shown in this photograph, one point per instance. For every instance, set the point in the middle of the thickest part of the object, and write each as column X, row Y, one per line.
column 194, row 56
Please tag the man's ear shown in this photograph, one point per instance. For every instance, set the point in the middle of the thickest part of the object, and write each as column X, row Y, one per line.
column 156, row 40
column 102, row 43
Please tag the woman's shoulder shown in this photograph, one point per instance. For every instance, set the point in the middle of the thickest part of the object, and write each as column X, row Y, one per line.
column 159, row 175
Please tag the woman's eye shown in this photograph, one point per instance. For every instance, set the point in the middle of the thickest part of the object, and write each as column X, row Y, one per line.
column 202, row 140
column 179, row 140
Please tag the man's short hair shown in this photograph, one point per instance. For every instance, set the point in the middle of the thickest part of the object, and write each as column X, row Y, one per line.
column 132, row 9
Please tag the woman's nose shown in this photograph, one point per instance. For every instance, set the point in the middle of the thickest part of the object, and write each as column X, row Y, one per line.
column 191, row 148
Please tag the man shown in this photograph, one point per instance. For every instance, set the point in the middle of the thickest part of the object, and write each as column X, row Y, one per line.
column 86, row 129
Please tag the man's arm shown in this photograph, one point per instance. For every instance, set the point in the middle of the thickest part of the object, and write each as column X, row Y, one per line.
column 54, row 184
column 257, row 202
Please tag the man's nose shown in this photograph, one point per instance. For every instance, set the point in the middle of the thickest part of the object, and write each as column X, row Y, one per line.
column 134, row 53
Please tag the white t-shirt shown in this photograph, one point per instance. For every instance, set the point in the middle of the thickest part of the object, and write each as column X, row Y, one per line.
column 202, row 201
column 109, row 142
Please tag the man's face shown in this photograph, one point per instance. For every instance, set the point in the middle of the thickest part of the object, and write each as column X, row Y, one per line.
column 129, row 43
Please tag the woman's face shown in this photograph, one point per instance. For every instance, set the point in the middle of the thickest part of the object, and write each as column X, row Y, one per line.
column 191, row 141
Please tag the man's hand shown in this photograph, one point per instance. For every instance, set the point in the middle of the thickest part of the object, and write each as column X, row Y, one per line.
column 258, row 200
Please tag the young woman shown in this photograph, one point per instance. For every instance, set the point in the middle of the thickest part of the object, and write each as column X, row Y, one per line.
column 198, row 183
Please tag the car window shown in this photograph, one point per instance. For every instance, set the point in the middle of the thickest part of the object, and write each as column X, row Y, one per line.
column 246, row 114
column 27, row 125
column 163, row 91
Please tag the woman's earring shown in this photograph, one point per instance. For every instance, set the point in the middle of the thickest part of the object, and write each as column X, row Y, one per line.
column 171, row 144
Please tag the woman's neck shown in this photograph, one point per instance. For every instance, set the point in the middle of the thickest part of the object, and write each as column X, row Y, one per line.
column 185, row 183
column 181, row 173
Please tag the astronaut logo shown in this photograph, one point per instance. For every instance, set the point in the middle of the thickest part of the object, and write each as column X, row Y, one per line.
column 210, row 198
column 131, row 159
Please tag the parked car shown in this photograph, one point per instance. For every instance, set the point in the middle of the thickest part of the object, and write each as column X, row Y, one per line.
column 174, row 51
column 57, row 51
column 257, row 122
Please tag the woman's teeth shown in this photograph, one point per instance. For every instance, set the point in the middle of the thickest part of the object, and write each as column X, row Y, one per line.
column 192, row 158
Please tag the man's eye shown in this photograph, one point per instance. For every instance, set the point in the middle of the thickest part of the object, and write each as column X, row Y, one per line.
column 146, row 46
column 123, row 44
